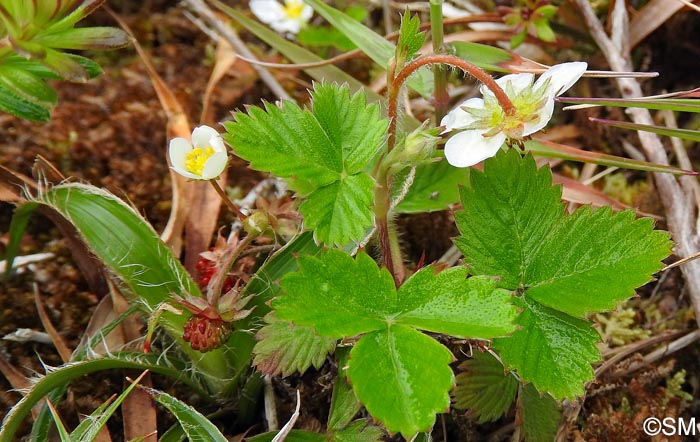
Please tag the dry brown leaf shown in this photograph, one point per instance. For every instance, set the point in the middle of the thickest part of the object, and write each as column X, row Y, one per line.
column 650, row 17
column 56, row 338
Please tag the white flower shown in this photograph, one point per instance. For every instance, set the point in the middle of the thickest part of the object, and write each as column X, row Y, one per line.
column 288, row 18
column 486, row 126
column 202, row 159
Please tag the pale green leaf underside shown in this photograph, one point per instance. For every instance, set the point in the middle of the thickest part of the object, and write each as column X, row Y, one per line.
column 552, row 350
column 402, row 377
column 452, row 304
column 341, row 211
column 284, row 348
column 539, row 415
column 484, row 389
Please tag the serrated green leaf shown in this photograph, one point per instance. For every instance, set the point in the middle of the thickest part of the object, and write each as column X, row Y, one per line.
column 197, row 427
column 359, row 294
column 402, row 377
column 509, row 210
column 344, row 403
column 284, row 348
column 452, row 304
column 410, row 37
column 435, row 187
column 357, row 431
column 552, row 350
column 340, row 212
column 484, row 389
column 592, row 260
column 539, row 415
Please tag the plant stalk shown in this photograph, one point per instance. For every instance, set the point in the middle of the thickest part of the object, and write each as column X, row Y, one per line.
column 441, row 99
column 232, row 207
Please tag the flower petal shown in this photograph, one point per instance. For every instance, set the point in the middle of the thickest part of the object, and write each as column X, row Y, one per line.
column 518, row 82
column 293, row 26
column 544, row 114
column 562, row 76
column 214, row 166
column 471, row 147
column 177, row 150
column 267, row 11
column 202, row 137
column 457, row 118
column 186, row 174
column 306, row 13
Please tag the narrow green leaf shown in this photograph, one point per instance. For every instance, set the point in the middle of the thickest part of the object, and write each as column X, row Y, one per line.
column 402, row 377
column 539, row 415
column 344, row 403
column 284, row 348
column 18, row 225
column 492, row 58
column 20, row 107
column 594, row 259
column 65, row 66
column 88, row 429
column 435, row 187
column 96, row 37
column 484, row 389
column 197, row 427
column 374, row 45
column 509, row 210
column 672, row 104
column 452, row 304
column 552, row 350
column 684, row 134
column 60, row 376
column 555, row 150
column 28, row 86
column 62, row 432
column 359, row 294
column 340, row 212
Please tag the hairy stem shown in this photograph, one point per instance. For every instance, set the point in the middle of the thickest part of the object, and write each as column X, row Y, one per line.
column 441, row 100
column 232, row 207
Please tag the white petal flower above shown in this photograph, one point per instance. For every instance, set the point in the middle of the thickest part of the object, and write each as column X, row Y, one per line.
column 205, row 158
column 485, row 126
column 289, row 17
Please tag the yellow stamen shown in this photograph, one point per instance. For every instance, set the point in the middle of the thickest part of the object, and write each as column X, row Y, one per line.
column 293, row 8
column 195, row 160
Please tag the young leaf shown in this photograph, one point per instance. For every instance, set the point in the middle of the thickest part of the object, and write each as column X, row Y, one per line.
column 402, row 377
column 484, row 389
column 359, row 294
column 552, row 350
column 410, row 37
column 284, row 348
column 539, row 415
column 450, row 303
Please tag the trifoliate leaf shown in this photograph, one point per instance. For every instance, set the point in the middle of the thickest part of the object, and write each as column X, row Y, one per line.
column 402, row 377
column 322, row 152
column 509, row 210
column 284, row 348
column 539, row 415
column 484, row 388
column 450, row 303
column 358, row 431
column 341, row 211
column 410, row 37
column 592, row 260
column 338, row 295
column 552, row 350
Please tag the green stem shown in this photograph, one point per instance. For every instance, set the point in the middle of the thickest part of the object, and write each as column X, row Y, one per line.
column 441, row 99
column 232, row 207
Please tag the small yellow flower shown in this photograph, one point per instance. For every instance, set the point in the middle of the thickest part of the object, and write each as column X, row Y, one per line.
column 205, row 158
column 287, row 18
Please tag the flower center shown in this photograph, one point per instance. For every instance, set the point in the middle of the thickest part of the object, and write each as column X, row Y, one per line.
column 195, row 160
column 292, row 9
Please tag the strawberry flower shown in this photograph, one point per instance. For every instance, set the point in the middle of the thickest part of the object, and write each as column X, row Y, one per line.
column 290, row 17
column 485, row 126
column 204, row 158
